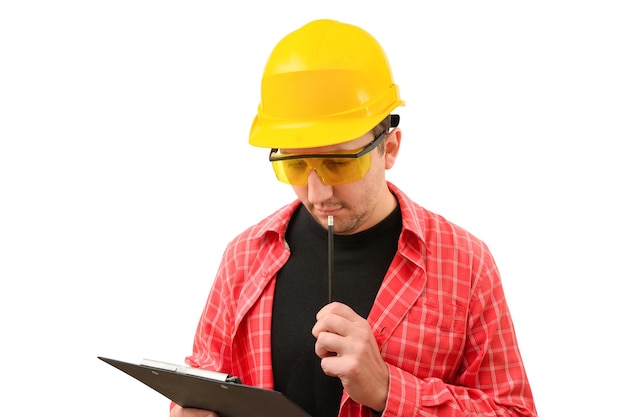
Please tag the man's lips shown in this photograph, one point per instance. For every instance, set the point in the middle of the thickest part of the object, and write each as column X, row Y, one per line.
column 327, row 211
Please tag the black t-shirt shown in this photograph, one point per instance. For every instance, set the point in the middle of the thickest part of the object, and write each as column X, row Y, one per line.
column 361, row 261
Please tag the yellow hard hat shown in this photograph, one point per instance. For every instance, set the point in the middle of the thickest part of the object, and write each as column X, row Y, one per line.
column 323, row 84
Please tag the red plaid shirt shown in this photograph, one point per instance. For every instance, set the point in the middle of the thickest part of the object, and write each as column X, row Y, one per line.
column 440, row 319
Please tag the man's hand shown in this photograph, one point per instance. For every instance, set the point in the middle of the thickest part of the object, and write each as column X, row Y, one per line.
column 348, row 349
column 178, row 411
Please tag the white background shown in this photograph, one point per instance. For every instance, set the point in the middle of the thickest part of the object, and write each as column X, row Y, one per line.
column 125, row 170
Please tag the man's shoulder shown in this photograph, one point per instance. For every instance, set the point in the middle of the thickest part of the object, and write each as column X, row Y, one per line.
column 433, row 226
column 274, row 224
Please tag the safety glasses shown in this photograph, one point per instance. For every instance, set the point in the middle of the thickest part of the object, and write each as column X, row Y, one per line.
column 333, row 168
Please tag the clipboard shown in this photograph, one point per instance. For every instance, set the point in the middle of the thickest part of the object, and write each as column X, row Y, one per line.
column 227, row 397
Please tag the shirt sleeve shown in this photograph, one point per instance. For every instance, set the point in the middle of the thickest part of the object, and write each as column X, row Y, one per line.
column 491, row 379
column 213, row 336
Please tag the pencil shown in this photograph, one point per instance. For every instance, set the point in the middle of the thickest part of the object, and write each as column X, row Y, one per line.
column 331, row 255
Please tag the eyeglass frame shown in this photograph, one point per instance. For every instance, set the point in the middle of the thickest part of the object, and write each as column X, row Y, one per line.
column 367, row 149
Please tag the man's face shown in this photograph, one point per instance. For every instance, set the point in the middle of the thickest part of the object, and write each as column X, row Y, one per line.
column 355, row 206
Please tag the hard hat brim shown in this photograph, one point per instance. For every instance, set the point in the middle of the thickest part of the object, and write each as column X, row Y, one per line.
column 292, row 134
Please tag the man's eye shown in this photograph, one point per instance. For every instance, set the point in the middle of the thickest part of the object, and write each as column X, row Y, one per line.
column 335, row 164
column 297, row 164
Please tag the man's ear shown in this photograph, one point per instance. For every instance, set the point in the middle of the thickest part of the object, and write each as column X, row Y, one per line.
column 392, row 147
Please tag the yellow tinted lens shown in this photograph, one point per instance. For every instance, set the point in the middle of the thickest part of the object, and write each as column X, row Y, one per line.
column 332, row 171
column 291, row 171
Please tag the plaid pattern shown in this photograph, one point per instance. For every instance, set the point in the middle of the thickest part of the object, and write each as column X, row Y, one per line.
column 440, row 319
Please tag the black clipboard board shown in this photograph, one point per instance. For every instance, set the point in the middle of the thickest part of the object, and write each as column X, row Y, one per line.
column 228, row 399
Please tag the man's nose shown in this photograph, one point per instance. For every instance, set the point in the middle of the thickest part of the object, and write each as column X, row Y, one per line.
column 317, row 190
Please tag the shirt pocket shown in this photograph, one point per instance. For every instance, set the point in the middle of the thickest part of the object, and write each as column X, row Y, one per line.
column 429, row 341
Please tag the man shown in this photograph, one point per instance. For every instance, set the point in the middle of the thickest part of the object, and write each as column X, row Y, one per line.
column 418, row 323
